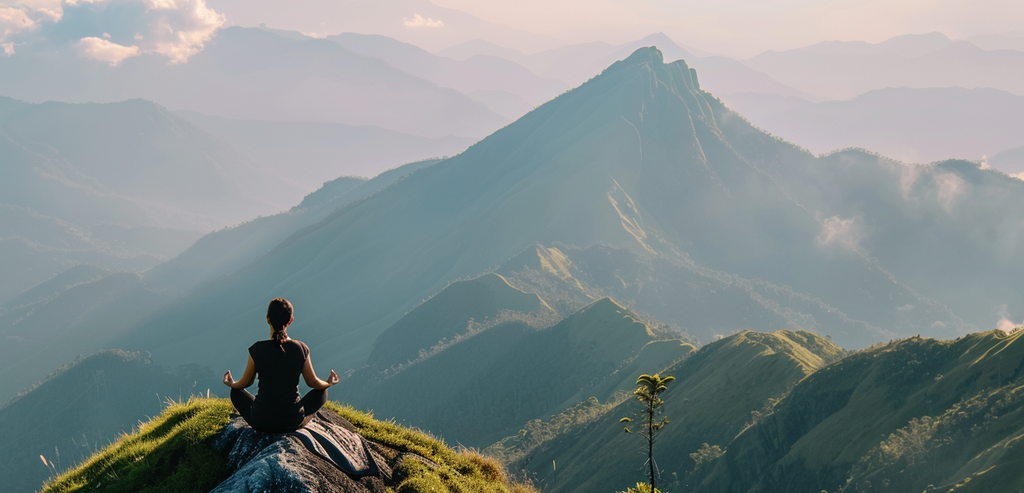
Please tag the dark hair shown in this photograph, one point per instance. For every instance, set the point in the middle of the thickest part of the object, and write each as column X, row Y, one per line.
column 279, row 313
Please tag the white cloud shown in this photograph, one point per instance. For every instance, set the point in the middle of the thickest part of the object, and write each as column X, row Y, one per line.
column 102, row 50
column 14, row 21
column 182, row 27
column 176, row 29
column 420, row 21
column 8, row 48
column 843, row 232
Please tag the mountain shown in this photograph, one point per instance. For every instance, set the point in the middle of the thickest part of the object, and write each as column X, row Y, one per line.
column 257, row 74
column 575, row 64
column 484, row 385
column 83, row 309
column 1010, row 161
column 419, row 22
column 82, row 408
column 913, row 414
column 639, row 158
column 717, row 393
column 76, row 192
column 457, row 311
column 301, row 156
column 913, row 125
column 916, row 414
column 1007, row 41
column 482, row 77
column 843, row 70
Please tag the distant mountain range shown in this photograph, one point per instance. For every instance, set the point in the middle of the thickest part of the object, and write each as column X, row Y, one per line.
column 468, row 89
column 649, row 190
column 913, row 125
column 605, row 163
column 257, row 74
column 843, row 70
column 634, row 224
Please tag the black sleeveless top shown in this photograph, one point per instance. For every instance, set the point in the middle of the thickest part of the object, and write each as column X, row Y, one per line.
column 278, row 380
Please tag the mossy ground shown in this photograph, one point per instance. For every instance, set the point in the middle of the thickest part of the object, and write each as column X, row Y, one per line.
column 168, row 454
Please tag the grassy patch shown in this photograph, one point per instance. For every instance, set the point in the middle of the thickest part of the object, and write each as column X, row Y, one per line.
column 168, row 454
column 457, row 472
column 161, row 456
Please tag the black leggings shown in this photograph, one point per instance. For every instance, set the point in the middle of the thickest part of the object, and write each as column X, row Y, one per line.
column 309, row 405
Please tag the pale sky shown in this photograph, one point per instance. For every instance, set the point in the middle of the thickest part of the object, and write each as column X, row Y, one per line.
column 746, row 27
column 737, row 28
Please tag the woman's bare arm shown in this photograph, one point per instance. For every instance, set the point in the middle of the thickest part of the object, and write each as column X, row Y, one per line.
column 313, row 381
column 247, row 378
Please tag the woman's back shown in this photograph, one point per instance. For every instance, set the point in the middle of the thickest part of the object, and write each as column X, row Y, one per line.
column 278, row 372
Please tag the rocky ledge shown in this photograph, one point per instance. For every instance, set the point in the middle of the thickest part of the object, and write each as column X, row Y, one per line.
column 281, row 463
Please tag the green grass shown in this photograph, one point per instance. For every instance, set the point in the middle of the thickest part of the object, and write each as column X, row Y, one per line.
column 169, row 454
column 464, row 471
column 165, row 454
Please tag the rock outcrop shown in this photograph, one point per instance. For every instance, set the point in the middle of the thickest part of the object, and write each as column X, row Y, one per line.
column 280, row 463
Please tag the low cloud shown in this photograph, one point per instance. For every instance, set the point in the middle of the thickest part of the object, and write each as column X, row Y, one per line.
column 950, row 188
column 1006, row 325
column 420, row 21
column 102, row 50
column 176, row 29
column 838, row 231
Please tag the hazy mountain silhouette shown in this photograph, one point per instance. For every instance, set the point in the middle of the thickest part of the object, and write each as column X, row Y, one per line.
column 84, row 308
column 1009, row 161
column 482, row 77
column 257, row 74
column 301, row 156
column 121, row 186
column 842, row 70
column 397, row 19
column 574, row 64
column 914, row 125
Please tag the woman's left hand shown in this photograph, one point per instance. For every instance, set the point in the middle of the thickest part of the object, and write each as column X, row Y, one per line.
column 228, row 380
column 333, row 378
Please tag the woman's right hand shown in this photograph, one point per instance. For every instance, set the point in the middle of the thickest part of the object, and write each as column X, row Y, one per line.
column 332, row 378
column 228, row 379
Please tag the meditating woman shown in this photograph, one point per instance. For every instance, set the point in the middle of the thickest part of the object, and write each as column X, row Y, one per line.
column 278, row 361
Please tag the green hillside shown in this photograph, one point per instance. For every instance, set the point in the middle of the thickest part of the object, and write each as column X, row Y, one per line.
column 486, row 386
column 461, row 308
column 173, row 453
column 913, row 415
column 81, row 409
column 718, row 392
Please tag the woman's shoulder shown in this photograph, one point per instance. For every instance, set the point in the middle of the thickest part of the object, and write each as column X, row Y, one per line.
column 300, row 344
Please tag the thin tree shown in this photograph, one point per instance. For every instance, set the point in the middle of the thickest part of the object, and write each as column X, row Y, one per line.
column 649, row 387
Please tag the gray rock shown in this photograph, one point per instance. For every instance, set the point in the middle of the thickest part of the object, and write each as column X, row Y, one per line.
column 279, row 463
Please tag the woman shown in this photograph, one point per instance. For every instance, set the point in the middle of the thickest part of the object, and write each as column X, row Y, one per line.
column 279, row 361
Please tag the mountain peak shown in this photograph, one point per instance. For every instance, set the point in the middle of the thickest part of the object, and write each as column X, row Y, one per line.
column 647, row 54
